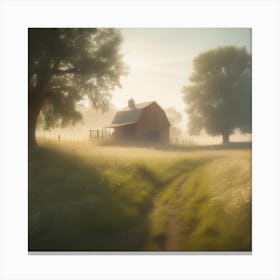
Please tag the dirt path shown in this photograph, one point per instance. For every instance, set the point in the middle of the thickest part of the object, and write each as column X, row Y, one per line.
column 173, row 239
column 164, row 216
column 173, row 242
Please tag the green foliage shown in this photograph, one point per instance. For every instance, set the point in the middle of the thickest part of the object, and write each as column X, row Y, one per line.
column 67, row 66
column 219, row 95
column 88, row 198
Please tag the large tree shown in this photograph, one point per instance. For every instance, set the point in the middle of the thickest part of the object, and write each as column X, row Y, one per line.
column 219, row 94
column 68, row 67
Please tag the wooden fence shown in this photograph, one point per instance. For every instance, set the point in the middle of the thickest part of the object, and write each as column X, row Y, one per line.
column 100, row 134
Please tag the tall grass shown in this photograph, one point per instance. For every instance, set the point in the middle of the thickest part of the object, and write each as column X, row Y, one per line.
column 209, row 208
column 88, row 198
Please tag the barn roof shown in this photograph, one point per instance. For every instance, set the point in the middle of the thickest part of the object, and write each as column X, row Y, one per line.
column 129, row 115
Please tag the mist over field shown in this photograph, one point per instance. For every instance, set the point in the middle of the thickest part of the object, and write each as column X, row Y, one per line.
column 84, row 197
column 139, row 139
column 93, row 119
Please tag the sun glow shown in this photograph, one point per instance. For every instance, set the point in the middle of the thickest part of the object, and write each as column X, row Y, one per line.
column 135, row 62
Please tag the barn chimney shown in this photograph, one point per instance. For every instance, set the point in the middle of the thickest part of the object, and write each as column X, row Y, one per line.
column 131, row 103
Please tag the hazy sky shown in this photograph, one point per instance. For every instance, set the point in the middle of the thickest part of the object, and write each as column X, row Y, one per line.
column 160, row 61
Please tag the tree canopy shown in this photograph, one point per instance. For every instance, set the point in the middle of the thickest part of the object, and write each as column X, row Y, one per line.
column 68, row 67
column 219, row 94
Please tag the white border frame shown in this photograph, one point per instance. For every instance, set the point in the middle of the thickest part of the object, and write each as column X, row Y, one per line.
column 262, row 16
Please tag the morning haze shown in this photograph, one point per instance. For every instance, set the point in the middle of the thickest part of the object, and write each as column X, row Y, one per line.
column 139, row 140
column 160, row 63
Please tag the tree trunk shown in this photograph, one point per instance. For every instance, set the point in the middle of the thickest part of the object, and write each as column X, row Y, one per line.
column 36, row 98
column 225, row 138
column 34, row 108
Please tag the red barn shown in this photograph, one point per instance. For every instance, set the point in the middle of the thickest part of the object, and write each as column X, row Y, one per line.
column 143, row 122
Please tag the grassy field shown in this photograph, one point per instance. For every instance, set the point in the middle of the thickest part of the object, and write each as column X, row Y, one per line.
column 84, row 197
